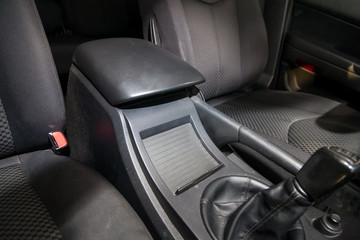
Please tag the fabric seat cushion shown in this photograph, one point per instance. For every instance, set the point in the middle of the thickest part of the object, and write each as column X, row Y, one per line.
column 305, row 121
column 47, row 196
column 23, row 214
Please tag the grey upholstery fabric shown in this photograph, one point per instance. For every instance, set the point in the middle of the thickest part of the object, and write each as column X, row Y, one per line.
column 312, row 134
column 29, row 81
column 82, row 203
column 43, row 195
column 78, row 204
column 6, row 141
column 23, row 214
column 173, row 28
column 208, row 35
column 264, row 117
column 227, row 42
column 220, row 65
column 303, row 120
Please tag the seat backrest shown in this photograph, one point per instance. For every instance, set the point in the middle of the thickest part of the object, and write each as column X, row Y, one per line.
column 225, row 40
column 31, row 101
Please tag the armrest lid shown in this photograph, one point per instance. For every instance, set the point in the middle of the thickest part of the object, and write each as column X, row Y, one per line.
column 125, row 70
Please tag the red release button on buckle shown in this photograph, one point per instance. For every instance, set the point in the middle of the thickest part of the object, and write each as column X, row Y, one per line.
column 58, row 142
column 307, row 66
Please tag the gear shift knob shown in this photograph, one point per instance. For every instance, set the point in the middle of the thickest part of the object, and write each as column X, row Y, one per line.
column 271, row 213
column 328, row 169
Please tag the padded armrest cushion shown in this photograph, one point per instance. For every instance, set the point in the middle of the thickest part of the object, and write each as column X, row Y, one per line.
column 125, row 70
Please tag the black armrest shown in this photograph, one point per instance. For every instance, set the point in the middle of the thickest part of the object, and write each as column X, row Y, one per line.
column 125, row 70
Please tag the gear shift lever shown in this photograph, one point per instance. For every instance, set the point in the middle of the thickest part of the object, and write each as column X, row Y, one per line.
column 270, row 213
column 327, row 170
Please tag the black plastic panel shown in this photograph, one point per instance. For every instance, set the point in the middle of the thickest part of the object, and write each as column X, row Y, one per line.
column 169, row 116
column 330, row 34
column 112, row 137
column 327, row 42
column 346, row 203
column 346, row 9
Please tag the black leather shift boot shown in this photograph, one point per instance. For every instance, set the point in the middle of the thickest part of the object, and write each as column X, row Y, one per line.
column 269, row 214
column 240, row 208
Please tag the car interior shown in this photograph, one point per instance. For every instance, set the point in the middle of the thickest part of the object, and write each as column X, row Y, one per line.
column 179, row 119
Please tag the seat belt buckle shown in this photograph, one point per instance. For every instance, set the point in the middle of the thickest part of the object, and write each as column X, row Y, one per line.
column 58, row 142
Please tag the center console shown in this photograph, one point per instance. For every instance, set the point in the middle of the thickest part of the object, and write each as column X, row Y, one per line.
column 134, row 116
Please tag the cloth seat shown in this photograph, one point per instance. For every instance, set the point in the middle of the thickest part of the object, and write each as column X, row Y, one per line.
column 47, row 196
column 305, row 121
column 43, row 195
column 227, row 42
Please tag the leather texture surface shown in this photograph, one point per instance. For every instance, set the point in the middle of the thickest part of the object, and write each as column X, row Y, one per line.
column 270, row 213
column 125, row 70
column 29, row 81
column 221, row 199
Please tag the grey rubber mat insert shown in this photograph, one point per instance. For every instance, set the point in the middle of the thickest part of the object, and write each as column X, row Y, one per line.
column 179, row 157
